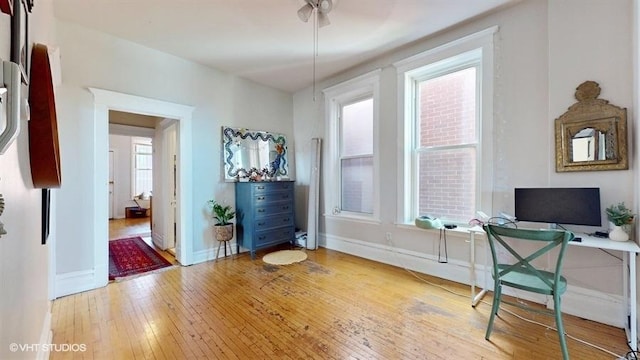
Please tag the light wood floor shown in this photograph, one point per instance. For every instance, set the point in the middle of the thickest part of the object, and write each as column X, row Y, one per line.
column 123, row 228
column 331, row 306
column 120, row 228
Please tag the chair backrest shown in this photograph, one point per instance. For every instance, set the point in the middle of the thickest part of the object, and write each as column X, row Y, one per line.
column 552, row 238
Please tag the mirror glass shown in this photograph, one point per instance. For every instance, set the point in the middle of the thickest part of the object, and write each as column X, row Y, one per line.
column 592, row 134
column 591, row 144
column 246, row 151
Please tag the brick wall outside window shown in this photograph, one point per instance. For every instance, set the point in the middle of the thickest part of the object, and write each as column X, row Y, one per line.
column 447, row 114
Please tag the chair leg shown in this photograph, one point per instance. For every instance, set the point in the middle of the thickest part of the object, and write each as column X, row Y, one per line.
column 497, row 293
column 558, row 313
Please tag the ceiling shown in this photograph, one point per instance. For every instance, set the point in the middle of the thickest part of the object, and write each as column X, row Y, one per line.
column 264, row 40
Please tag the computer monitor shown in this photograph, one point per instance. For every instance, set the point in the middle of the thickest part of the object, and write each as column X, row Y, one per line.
column 570, row 206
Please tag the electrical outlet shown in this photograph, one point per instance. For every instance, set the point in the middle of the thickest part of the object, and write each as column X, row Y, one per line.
column 388, row 236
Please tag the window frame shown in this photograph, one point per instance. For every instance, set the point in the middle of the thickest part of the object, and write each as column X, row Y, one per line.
column 134, row 169
column 336, row 97
column 439, row 61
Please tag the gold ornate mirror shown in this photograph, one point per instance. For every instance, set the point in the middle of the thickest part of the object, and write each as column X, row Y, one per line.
column 592, row 134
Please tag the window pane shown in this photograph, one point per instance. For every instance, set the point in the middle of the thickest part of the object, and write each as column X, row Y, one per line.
column 447, row 183
column 447, row 109
column 357, row 128
column 143, row 181
column 357, row 184
column 143, row 161
column 142, row 149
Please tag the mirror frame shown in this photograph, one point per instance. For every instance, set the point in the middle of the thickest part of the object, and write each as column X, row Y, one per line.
column 231, row 135
column 591, row 112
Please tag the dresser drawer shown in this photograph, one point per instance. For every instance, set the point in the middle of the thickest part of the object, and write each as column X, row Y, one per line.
column 267, row 209
column 272, row 237
column 272, row 197
column 272, row 222
column 260, row 188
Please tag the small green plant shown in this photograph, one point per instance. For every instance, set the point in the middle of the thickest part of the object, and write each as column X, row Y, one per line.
column 222, row 214
column 619, row 214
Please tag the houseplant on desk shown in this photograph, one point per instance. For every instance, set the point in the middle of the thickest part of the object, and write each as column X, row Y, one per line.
column 619, row 215
column 223, row 214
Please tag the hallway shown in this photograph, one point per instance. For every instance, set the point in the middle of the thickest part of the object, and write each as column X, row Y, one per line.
column 130, row 227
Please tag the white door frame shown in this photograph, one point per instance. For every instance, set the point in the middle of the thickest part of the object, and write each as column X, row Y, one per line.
column 105, row 100
column 169, row 142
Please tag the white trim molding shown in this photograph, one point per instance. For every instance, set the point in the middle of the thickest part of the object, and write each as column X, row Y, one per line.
column 365, row 85
column 438, row 58
column 210, row 253
column 105, row 100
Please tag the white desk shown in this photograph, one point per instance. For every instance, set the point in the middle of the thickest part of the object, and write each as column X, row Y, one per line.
column 629, row 248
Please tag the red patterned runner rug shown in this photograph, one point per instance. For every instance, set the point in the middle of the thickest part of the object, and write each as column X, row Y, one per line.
column 132, row 256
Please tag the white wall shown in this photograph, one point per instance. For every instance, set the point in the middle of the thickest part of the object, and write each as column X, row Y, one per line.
column 543, row 52
column 121, row 146
column 24, row 266
column 603, row 54
column 94, row 59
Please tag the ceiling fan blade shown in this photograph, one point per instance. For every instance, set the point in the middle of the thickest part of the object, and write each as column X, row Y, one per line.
column 305, row 12
column 323, row 19
column 324, row 6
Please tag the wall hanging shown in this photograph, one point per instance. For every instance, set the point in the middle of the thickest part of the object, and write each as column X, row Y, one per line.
column 592, row 134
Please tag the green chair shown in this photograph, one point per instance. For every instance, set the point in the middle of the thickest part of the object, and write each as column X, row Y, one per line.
column 521, row 274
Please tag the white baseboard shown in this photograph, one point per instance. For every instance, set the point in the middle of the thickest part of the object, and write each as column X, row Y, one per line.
column 454, row 270
column 46, row 336
column 585, row 303
column 594, row 305
column 210, row 254
column 75, row 282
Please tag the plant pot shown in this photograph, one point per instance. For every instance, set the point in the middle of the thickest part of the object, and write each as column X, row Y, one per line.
column 618, row 234
column 223, row 232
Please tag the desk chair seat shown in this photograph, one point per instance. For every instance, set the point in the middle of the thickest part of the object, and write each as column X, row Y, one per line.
column 521, row 274
column 521, row 278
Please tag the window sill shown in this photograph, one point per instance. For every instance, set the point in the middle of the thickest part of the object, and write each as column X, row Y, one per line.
column 462, row 231
column 353, row 218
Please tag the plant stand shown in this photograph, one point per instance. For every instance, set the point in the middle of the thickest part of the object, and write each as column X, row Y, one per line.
column 224, row 234
column 225, row 243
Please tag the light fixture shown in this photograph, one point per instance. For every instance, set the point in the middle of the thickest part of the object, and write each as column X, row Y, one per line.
column 305, row 12
column 320, row 9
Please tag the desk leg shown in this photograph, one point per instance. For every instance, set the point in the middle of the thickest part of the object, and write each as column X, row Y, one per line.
column 632, row 299
column 475, row 299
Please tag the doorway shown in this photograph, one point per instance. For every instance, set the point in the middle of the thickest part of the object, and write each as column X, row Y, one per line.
column 107, row 100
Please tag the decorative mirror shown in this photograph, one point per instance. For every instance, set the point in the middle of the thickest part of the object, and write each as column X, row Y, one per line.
column 592, row 134
column 248, row 152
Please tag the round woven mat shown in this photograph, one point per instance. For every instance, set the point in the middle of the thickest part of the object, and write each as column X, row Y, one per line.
column 284, row 257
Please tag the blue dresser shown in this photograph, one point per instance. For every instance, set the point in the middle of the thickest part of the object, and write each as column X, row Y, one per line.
column 264, row 214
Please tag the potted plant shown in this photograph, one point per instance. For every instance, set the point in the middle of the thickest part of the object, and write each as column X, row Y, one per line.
column 620, row 216
column 223, row 229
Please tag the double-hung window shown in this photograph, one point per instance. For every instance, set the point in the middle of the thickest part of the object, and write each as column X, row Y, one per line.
column 142, row 167
column 352, row 121
column 446, row 130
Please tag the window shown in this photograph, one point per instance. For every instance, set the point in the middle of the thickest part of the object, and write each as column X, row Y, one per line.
column 142, row 167
column 447, row 110
column 356, row 157
column 352, row 113
column 446, row 143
